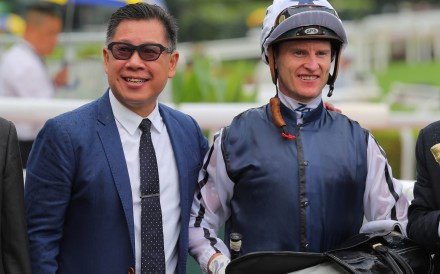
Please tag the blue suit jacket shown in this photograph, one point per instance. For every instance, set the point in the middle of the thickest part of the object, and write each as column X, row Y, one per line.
column 78, row 196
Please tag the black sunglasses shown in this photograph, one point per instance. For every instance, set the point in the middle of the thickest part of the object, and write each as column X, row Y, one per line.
column 148, row 52
column 290, row 11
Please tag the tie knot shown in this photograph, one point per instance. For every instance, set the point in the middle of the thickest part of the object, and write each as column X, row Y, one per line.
column 145, row 125
column 302, row 108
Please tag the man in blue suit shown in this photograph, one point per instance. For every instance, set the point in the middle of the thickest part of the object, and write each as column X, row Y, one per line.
column 82, row 193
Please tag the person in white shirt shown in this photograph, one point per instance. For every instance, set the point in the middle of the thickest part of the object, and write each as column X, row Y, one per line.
column 23, row 72
column 292, row 175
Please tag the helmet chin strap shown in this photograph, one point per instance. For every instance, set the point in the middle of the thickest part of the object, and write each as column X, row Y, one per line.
column 330, row 91
column 332, row 77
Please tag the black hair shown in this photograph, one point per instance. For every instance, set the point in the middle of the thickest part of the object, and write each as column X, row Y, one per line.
column 143, row 11
column 45, row 9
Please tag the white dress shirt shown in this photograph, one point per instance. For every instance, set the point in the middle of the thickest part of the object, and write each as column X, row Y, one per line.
column 24, row 74
column 128, row 127
column 219, row 189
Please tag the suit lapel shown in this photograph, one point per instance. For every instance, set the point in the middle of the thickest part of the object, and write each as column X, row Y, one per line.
column 109, row 136
column 179, row 144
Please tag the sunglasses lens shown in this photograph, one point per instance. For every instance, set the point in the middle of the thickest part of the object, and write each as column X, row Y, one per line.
column 122, row 51
column 150, row 52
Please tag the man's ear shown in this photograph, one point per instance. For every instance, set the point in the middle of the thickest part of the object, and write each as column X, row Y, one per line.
column 174, row 58
column 106, row 57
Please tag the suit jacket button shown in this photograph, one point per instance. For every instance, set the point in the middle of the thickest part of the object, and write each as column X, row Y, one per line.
column 131, row 270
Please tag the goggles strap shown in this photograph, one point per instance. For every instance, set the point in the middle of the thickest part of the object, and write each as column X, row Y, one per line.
column 275, row 101
column 271, row 60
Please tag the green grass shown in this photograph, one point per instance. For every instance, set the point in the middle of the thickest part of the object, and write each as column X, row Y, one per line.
column 417, row 73
column 203, row 80
column 389, row 140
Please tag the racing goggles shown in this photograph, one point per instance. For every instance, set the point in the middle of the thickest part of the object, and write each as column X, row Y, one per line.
column 290, row 11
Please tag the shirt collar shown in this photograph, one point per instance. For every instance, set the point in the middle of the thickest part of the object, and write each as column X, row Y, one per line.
column 28, row 46
column 293, row 104
column 130, row 120
column 25, row 43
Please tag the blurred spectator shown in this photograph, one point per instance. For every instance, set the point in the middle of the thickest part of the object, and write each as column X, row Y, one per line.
column 23, row 72
column 346, row 73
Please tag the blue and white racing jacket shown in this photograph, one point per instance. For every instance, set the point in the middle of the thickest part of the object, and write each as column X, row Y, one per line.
column 306, row 194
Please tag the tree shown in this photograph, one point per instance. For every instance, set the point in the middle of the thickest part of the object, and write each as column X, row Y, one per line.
column 212, row 19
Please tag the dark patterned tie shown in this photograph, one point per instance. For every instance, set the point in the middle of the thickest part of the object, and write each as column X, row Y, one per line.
column 302, row 109
column 152, row 248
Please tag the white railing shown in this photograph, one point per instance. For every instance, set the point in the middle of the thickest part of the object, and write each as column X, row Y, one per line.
column 213, row 116
column 210, row 116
